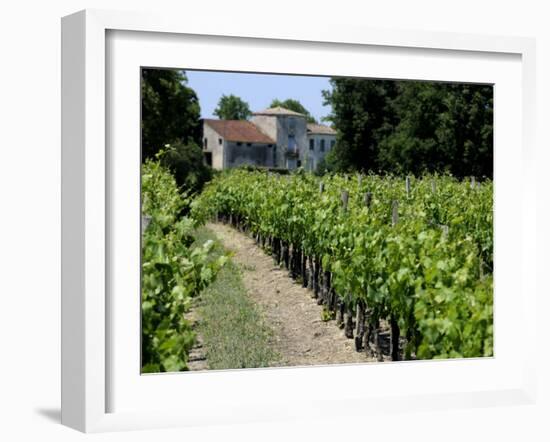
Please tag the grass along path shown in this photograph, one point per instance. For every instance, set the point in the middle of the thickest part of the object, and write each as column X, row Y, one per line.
column 231, row 330
column 300, row 336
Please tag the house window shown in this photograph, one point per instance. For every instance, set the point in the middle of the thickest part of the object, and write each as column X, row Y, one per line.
column 249, row 144
column 311, row 144
column 220, row 141
column 291, row 143
column 322, row 145
column 270, row 145
column 239, row 143
column 205, row 143
column 332, row 143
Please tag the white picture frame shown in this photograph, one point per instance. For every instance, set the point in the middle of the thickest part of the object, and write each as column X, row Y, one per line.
column 89, row 326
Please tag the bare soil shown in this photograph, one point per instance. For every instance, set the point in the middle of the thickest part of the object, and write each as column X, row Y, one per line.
column 301, row 337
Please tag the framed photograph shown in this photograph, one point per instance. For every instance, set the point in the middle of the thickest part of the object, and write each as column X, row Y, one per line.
column 284, row 222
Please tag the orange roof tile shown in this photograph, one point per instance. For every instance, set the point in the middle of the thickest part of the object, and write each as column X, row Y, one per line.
column 239, row 130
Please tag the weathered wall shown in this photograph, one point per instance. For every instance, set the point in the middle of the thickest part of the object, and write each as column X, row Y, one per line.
column 287, row 125
column 213, row 145
column 267, row 124
column 230, row 154
column 254, row 154
column 279, row 127
column 313, row 157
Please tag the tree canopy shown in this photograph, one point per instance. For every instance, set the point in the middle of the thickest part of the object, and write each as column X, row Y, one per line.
column 361, row 113
column 171, row 117
column 185, row 161
column 441, row 127
column 231, row 107
column 411, row 127
column 293, row 105
column 170, row 111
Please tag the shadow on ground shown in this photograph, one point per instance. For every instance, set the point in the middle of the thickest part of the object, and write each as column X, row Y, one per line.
column 51, row 414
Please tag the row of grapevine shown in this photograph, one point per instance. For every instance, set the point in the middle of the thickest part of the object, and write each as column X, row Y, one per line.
column 415, row 254
column 172, row 272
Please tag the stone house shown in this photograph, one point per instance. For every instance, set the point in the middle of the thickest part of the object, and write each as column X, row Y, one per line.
column 320, row 140
column 276, row 137
column 233, row 143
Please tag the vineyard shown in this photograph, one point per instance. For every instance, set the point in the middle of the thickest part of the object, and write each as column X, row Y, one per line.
column 412, row 256
column 172, row 272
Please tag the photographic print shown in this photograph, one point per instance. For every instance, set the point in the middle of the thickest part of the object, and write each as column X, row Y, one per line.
column 308, row 220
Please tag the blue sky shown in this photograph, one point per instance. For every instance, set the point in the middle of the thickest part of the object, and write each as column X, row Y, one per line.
column 258, row 90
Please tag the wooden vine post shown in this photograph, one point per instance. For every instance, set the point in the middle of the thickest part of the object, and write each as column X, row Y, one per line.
column 348, row 314
column 341, row 318
column 311, row 275
column 145, row 221
column 394, row 342
column 339, row 307
column 368, row 199
column 481, row 270
column 359, row 325
column 348, row 321
column 285, row 254
column 316, row 265
column 345, row 198
column 395, row 213
column 362, row 335
column 303, row 268
column 325, row 288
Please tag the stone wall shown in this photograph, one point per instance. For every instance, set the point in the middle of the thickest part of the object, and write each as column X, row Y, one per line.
column 211, row 143
column 253, row 154
column 315, row 155
column 279, row 127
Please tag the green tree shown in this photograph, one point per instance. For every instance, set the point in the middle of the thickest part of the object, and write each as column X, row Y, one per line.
column 363, row 115
column 186, row 163
column 411, row 127
column 170, row 111
column 231, row 107
column 293, row 105
column 441, row 127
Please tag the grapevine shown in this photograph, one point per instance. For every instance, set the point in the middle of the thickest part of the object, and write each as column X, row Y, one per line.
column 172, row 272
column 416, row 254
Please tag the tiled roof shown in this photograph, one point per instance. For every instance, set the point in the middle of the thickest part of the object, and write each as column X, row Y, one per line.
column 278, row 111
column 239, row 130
column 320, row 129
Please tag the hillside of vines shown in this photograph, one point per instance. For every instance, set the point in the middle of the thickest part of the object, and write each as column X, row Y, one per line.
column 414, row 255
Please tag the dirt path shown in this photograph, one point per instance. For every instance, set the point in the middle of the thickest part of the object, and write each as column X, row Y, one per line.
column 197, row 355
column 301, row 337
